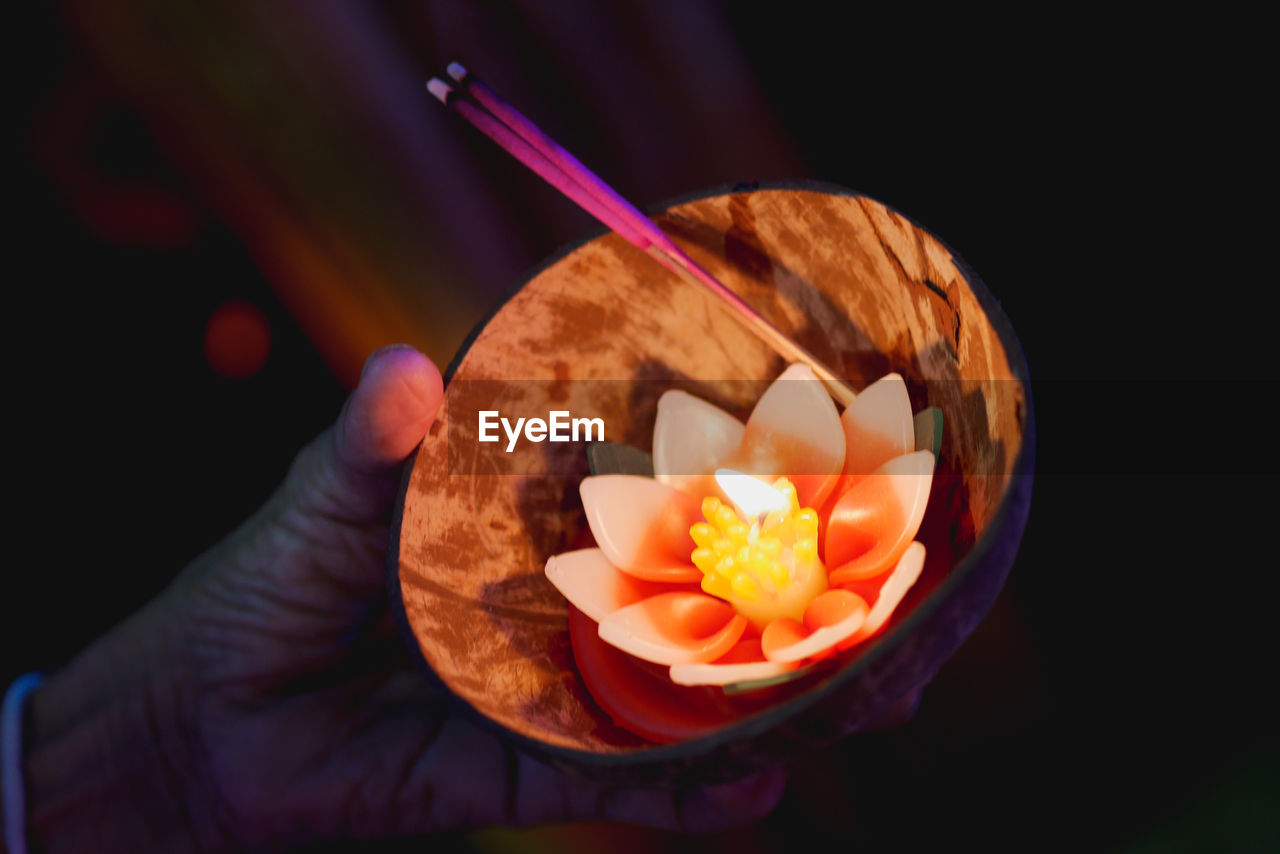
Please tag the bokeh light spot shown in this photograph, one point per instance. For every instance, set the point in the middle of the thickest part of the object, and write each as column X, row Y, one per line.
column 237, row 340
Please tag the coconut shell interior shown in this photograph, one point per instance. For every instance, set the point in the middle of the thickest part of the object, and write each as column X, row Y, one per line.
column 862, row 287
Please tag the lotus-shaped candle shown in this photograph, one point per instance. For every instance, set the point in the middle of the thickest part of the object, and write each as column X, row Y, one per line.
column 602, row 331
column 756, row 547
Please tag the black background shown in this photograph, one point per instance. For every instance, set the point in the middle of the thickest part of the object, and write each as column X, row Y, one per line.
column 1109, row 190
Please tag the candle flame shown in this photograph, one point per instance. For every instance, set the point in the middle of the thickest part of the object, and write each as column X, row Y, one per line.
column 767, row 565
column 752, row 496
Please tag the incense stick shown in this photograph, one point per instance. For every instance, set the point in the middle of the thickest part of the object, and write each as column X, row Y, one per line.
column 511, row 130
column 567, row 183
column 526, row 154
column 565, row 161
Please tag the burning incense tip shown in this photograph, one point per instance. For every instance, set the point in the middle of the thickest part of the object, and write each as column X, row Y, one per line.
column 440, row 89
column 457, row 72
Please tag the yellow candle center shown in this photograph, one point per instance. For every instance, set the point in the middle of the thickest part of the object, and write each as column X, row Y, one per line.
column 765, row 569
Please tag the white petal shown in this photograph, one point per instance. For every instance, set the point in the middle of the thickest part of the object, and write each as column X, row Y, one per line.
column 674, row 628
column 878, row 426
column 912, row 476
column 727, row 674
column 904, row 575
column 691, row 438
column 642, row 526
column 594, row 586
column 795, row 431
column 821, row 640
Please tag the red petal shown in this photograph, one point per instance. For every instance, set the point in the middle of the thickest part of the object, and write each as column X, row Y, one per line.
column 642, row 699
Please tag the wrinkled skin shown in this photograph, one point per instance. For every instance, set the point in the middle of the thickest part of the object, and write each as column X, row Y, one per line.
column 283, row 702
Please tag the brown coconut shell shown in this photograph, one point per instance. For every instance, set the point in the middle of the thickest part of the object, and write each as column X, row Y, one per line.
column 858, row 284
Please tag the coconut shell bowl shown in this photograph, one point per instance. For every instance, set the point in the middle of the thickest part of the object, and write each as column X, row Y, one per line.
column 605, row 329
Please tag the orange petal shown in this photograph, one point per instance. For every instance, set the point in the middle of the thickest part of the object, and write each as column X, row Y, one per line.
column 781, row 634
column 832, row 607
column 642, row 526
column 674, row 628
column 794, row 431
column 691, row 438
column 831, row 617
column 891, row 592
column 596, row 587
column 745, row 662
column 878, row 426
column 872, row 524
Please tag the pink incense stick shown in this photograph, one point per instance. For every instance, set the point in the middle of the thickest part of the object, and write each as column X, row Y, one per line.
column 566, row 182
column 592, row 183
column 535, row 160
column 527, row 143
column 569, row 164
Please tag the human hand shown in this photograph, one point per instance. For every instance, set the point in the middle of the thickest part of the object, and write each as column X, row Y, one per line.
column 265, row 699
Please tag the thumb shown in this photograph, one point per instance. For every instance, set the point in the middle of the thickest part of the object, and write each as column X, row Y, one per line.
column 385, row 418
column 350, row 473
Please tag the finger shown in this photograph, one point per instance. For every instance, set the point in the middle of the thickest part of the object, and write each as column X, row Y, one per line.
column 350, row 473
column 545, row 794
column 704, row 809
column 729, row 805
column 390, row 411
column 467, row 778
